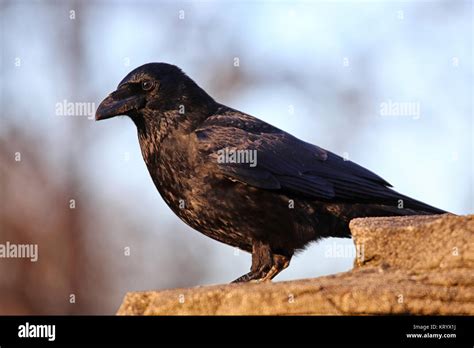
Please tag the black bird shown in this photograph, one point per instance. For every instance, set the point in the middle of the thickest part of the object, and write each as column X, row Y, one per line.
column 242, row 181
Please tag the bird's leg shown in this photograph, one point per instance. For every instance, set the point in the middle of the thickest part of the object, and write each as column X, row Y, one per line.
column 280, row 262
column 265, row 264
column 262, row 262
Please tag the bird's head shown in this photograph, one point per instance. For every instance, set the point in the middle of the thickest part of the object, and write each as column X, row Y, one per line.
column 151, row 90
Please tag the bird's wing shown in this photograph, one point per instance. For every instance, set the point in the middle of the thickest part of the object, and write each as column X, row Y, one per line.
column 284, row 162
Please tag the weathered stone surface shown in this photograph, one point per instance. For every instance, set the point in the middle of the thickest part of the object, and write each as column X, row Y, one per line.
column 413, row 265
column 416, row 243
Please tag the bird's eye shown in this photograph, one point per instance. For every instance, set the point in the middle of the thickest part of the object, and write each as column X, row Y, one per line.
column 147, row 85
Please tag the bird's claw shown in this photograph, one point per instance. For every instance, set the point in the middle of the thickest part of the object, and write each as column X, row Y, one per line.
column 280, row 262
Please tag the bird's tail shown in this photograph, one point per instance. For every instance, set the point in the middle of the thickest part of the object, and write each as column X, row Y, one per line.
column 409, row 206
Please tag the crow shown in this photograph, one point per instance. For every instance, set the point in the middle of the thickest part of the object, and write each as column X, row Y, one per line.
column 240, row 180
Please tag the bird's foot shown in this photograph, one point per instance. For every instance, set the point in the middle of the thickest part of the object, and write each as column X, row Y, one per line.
column 247, row 277
column 280, row 262
column 267, row 271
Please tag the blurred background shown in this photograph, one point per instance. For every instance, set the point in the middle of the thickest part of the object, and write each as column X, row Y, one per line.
column 386, row 84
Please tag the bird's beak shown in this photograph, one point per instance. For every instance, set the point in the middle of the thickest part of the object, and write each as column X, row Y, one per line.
column 120, row 102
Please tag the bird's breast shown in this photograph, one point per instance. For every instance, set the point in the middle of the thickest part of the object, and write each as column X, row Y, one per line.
column 174, row 167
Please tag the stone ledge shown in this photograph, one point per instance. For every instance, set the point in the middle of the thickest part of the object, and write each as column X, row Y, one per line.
column 408, row 265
